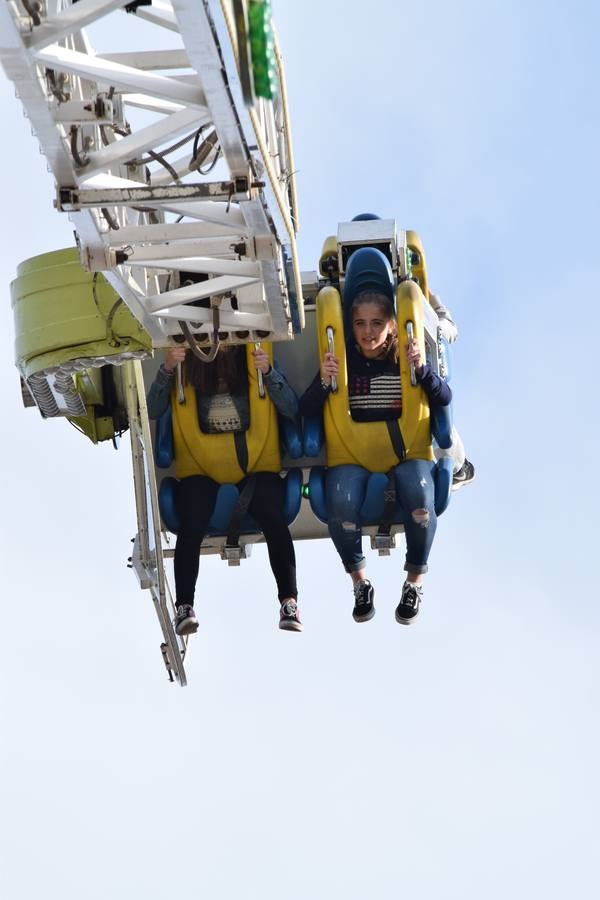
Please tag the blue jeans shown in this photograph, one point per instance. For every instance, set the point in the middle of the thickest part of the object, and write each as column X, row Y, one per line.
column 345, row 488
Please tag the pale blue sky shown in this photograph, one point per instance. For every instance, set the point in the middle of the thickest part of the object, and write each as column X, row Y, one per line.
column 453, row 760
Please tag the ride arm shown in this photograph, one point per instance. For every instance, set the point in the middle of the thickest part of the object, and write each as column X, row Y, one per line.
column 282, row 395
column 438, row 391
column 159, row 394
column 447, row 323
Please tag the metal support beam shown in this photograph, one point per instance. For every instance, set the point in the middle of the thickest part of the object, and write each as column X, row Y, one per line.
column 150, row 59
column 161, row 303
column 138, row 200
column 68, row 21
column 125, row 78
column 126, row 148
column 82, row 198
column 148, row 543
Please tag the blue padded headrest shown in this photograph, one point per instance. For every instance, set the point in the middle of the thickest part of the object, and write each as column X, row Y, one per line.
column 368, row 270
column 365, row 217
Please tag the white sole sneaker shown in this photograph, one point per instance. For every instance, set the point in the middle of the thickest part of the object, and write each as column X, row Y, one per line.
column 186, row 626
column 287, row 625
column 463, row 482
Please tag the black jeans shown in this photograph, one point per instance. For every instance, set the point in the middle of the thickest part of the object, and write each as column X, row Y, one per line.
column 196, row 498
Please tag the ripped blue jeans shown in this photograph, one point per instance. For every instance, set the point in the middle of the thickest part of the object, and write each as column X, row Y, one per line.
column 415, row 492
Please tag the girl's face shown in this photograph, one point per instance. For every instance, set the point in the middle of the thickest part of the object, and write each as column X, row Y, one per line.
column 371, row 328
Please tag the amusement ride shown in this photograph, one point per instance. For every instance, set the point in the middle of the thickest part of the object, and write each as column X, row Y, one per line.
column 173, row 161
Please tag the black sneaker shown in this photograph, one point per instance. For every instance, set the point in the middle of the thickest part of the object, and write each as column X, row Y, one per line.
column 364, row 595
column 408, row 608
column 289, row 618
column 465, row 475
column 185, row 620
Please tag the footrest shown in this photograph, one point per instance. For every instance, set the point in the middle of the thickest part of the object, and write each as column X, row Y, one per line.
column 233, row 555
column 383, row 543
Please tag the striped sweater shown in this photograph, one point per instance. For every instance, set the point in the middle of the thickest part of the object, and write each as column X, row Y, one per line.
column 374, row 389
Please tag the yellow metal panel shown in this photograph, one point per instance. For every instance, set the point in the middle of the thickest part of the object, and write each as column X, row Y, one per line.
column 368, row 444
column 329, row 251
column 214, row 455
column 419, row 270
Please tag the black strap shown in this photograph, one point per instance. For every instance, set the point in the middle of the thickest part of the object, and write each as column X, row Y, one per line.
column 241, row 450
column 241, row 508
column 389, row 494
column 389, row 507
column 396, row 439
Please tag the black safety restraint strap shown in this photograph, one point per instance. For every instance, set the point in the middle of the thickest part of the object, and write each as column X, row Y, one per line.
column 241, row 508
column 389, row 494
column 241, row 450
column 396, row 439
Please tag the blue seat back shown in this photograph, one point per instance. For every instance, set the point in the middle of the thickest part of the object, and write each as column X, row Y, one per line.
column 290, row 434
column 313, row 435
column 367, row 270
column 443, row 484
column 164, row 451
column 441, row 425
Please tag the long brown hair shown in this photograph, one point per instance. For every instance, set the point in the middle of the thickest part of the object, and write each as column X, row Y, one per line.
column 227, row 372
column 389, row 350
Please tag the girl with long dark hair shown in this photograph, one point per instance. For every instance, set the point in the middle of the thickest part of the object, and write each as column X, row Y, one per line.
column 210, row 431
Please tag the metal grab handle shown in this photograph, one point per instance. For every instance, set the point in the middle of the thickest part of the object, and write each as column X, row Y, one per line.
column 261, row 383
column 180, row 391
column 410, row 333
column 329, row 332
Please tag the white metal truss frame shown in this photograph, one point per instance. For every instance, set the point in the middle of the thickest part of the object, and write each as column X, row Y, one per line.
column 164, row 231
column 147, row 559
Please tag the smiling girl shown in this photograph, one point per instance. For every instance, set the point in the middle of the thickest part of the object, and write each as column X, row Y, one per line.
column 375, row 395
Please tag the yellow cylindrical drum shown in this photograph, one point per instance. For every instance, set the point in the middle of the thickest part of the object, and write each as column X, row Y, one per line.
column 62, row 312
